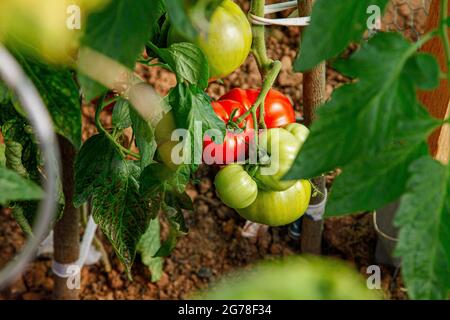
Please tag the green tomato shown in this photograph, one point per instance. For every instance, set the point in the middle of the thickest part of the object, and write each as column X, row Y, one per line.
column 164, row 128
column 299, row 131
column 235, row 187
column 282, row 147
column 278, row 208
column 227, row 41
column 294, row 278
column 165, row 153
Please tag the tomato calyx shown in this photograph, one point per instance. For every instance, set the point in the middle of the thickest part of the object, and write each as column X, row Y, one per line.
column 232, row 124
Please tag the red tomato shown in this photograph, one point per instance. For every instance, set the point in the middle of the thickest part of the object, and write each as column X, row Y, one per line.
column 235, row 145
column 278, row 108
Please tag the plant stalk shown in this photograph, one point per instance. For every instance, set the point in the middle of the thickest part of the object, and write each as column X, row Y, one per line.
column 259, row 39
column 66, row 241
column 100, row 128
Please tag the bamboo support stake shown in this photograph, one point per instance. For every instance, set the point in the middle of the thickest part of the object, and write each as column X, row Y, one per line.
column 66, row 237
column 313, row 96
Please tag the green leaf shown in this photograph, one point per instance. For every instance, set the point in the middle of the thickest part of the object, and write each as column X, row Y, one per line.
column 119, row 209
column 14, row 187
column 5, row 93
column 179, row 17
column 121, row 114
column 112, row 182
column 193, row 111
column 158, row 178
column 92, row 167
column 60, row 94
column 148, row 245
column 22, row 157
column 187, row 61
column 119, row 31
column 2, row 155
column 370, row 183
column 424, row 238
column 173, row 208
column 334, row 24
column 363, row 117
column 145, row 137
column 424, row 71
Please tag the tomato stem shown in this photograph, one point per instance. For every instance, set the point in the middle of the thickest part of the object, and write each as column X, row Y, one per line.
column 259, row 41
column 100, row 127
column 267, row 84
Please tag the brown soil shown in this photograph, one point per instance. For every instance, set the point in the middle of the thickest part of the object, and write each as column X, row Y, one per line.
column 214, row 245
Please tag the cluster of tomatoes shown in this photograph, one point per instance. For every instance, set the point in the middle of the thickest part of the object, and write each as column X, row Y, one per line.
column 257, row 192
column 256, row 189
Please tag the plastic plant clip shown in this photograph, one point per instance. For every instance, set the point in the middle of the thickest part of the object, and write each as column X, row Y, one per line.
column 15, row 78
column 277, row 7
column 65, row 270
column 317, row 211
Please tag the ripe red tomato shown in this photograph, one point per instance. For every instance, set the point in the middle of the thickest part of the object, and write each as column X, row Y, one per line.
column 235, row 145
column 278, row 108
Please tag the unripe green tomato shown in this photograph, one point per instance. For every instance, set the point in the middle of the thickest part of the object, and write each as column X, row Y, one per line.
column 278, row 208
column 227, row 41
column 235, row 187
column 282, row 146
column 164, row 128
column 299, row 131
column 165, row 154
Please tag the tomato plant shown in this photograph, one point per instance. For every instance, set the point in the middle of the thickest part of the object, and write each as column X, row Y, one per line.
column 374, row 128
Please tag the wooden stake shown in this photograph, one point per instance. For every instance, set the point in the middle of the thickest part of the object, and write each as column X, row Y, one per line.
column 66, row 234
column 437, row 101
column 313, row 96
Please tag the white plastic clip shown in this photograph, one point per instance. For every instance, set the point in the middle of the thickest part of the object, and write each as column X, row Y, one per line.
column 67, row 270
column 316, row 211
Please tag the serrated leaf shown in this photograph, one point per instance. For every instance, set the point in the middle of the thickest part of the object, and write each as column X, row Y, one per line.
column 148, row 245
column 424, row 238
column 60, row 94
column 121, row 114
column 334, row 24
column 92, row 167
column 112, row 182
column 14, row 187
column 177, row 226
column 193, row 111
column 187, row 61
column 119, row 209
column 158, row 178
column 370, row 183
column 145, row 137
column 363, row 117
column 119, row 31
